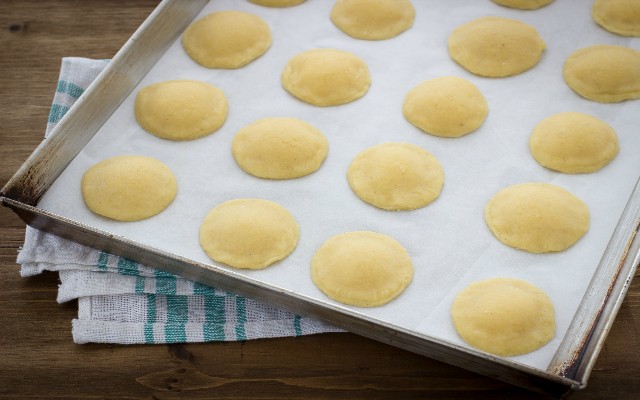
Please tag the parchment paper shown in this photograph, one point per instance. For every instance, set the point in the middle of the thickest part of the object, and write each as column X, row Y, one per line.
column 448, row 240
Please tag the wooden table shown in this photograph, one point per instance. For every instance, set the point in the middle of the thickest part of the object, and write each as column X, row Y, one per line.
column 38, row 358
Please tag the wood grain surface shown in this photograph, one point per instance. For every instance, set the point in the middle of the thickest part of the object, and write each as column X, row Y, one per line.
column 38, row 358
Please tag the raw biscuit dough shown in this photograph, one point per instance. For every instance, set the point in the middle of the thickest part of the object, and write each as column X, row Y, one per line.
column 503, row 316
column 618, row 16
column 249, row 233
column 496, row 47
column 326, row 77
column 373, row 19
column 181, row 109
column 537, row 217
column 604, row 73
column 523, row 4
column 227, row 39
column 277, row 3
column 573, row 143
column 396, row 176
column 364, row 269
column 128, row 188
column 279, row 148
column 448, row 106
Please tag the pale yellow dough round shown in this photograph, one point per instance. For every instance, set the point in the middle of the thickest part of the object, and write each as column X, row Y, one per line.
column 326, row 77
column 373, row 19
column 537, row 217
column 618, row 16
column 524, row 4
column 128, row 188
column 279, row 148
column 448, row 107
column 504, row 316
column 249, row 233
column 573, row 143
column 181, row 109
column 396, row 176
column 604, row 73
column 364, row 269
column 277, row 3
column 227, row 39
column 496, row 47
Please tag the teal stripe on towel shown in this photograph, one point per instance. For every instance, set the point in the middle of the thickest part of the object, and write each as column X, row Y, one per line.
column 151, row 318
column 69, row 88
column 177, row 315
column 199, row 288
column 162, row 274
column 166, row 283
column 130, row 267
column 57, row 112
column 127, row 267
column 140, row 281
column 297, row 326
column 214, row 318
column 241, row 314
column 103, row 259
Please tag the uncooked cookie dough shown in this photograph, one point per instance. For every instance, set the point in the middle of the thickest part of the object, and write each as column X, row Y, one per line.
column 396, row 176
column 128, row 188
column 496, row 47
column 537, row 217
column 277, row 3
column 181, row 109
column 364, row 269
column 373, row 19
column 326, row 77
column 448, row 106
column 604, row 73
column 249, row 233
column 279, row 148
column 573, row 143
column 523, row 4
column 503, row 316
column 618, row 16
column 227, row 39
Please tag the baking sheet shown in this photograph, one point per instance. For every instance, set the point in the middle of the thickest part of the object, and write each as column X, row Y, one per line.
column 448, row 240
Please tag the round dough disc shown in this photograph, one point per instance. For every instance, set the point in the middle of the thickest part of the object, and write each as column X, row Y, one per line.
column 573, row 143
column 364, row 269
column 448, row 107
column 537, row 217
column 326, row 77
column 373, row 19
column 523, row 4
column 618, row 16
column 128, row 188
column 396, row 176
column 496, row 47
column 227, row 39
column 249, row 233
column 277, row 3
column 604, row 73
column 181, row 109
column 279, row 148
column 503, row 316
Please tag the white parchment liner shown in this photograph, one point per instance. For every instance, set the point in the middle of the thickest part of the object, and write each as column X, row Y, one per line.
column 448, row 241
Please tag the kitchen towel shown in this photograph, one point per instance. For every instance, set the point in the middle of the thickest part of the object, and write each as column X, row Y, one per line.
column 121, row 301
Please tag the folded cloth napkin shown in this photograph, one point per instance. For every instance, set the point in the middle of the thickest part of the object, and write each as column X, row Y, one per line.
column 121, row 301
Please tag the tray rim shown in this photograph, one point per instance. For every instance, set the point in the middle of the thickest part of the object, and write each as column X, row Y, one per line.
column 20, row 195
column 496, row 367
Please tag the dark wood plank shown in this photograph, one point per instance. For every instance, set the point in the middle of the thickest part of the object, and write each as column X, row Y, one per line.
column 38, row 358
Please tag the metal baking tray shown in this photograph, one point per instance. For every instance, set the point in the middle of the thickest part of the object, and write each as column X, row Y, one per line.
column 569, row 368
